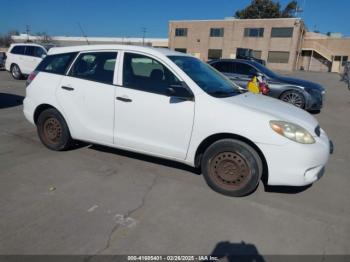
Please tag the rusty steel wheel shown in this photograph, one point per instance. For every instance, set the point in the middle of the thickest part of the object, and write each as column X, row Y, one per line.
column 231, row 167
column 53, row 130
column 230, row 170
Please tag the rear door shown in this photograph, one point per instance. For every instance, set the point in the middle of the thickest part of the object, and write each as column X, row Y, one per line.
column 87, row 94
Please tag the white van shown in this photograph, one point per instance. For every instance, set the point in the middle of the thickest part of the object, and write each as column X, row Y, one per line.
column 22, row 59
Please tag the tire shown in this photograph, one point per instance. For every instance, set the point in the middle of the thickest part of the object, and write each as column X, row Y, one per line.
column 16, row 72
column 232, row 167
column 53, row 130
column 294, row 97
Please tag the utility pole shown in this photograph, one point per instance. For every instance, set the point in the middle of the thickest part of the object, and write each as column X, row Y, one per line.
column 144, row 30
column 27, row 32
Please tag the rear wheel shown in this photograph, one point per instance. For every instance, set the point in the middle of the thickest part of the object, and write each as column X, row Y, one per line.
column 294, row 97
column 16, row 72
column 231, row 167
column 53, row 130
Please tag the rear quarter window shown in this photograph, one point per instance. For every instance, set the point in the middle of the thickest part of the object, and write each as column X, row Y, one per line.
column 56, row 64
column 18, row 50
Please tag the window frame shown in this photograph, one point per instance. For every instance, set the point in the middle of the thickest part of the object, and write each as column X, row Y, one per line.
column 215, row 49
column 157, row 59
column 246, row 32
column 181, row 28
column 271, row 51
column 221, row 31
column 115, row 73
column 281, row 36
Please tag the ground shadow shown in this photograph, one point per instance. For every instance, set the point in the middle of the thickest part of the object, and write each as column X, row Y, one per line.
column 232, row 252
column 315, row 112
column 286, row 189
column 10, row 100
column 147, row 158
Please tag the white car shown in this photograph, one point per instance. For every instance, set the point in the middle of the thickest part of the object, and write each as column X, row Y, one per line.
column 172, row 105
column 22, row 59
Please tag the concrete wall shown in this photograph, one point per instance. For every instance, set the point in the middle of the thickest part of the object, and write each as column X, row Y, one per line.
column 198, row 40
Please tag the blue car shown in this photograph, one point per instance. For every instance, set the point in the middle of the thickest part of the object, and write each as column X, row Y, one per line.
column 301, row 93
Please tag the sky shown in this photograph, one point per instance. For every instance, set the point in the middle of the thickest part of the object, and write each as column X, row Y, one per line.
column 127, row 18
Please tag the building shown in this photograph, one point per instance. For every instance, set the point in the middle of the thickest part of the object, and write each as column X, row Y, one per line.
column 283, row 43
column 73, row 40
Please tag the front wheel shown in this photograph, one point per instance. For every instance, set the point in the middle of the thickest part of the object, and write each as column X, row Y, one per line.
column 53, row 130
column 231, row 167
column 294, row 97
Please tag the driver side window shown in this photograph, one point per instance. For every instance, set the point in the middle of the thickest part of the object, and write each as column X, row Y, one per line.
column 146, row 74
column 245, row 69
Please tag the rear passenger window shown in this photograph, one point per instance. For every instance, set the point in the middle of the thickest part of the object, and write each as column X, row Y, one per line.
column 18, row 50
column 56, row 64
column 146, row 74
column 97, row 67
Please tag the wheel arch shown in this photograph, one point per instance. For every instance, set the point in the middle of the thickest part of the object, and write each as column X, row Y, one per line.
column 39, row 109
column 216, row 137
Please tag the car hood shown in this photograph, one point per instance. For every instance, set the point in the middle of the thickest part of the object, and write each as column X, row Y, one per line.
column 300, row 82
column 275, row 109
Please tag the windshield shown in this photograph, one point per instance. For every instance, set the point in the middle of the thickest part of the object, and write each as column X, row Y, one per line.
column 206, row 77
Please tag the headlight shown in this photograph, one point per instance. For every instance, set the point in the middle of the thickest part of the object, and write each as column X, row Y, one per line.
column 292, row 132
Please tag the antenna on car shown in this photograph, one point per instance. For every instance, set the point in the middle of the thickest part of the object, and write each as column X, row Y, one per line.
column 83, row 34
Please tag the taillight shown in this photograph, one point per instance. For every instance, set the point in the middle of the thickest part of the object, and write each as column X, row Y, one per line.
column 31, row 77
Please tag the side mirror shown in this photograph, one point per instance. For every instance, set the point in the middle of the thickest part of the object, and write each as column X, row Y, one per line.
column 180, row 91
column 43, row 56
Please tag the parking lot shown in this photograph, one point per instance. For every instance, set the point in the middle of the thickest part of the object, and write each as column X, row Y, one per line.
column 98, row 200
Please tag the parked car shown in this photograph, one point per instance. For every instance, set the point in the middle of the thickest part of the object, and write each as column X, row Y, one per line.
column 247, row 54
column 2, row 60
column 301, row 93
column 22, row 59
column 173, row 106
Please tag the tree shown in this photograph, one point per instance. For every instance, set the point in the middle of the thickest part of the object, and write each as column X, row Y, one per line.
column 266, row 9
column 6, row 40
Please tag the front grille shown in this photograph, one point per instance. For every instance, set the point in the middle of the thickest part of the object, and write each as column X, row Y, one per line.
column 318, row 131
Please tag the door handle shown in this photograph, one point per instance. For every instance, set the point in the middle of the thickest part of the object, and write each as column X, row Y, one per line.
column 68, row 88
column 124, row 99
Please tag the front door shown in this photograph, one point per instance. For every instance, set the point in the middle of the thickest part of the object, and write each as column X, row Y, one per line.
column 146, row 119
column 87, row 96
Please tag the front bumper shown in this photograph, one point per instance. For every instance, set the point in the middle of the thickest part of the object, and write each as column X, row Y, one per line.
column 314, row 100
column 295, row 164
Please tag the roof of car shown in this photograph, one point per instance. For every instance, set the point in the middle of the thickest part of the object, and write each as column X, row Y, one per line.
column 26, row 44
column 163, row 51
column 233, row 60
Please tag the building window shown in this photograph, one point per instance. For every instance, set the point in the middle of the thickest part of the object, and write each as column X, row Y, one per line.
column 256, row 53
column 278, row 57
column 344, row 60
column 181, row 32
column 182, row 50
column 214, row 54
column 216, row 32
column 282, row 31
column 254, row 32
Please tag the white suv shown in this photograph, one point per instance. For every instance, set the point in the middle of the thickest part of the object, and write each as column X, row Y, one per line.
column 22, row 59
column 171, row 105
